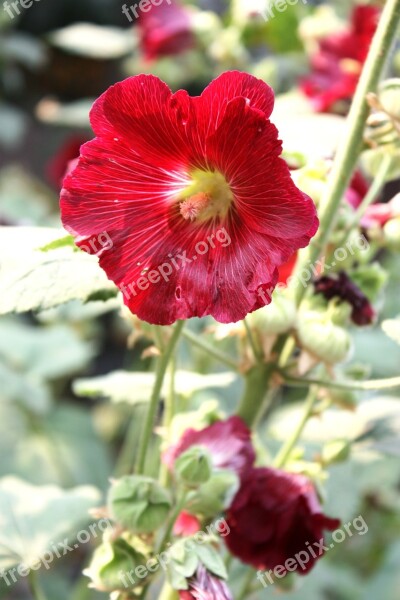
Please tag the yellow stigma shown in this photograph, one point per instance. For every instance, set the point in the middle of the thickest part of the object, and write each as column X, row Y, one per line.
column 207, row 197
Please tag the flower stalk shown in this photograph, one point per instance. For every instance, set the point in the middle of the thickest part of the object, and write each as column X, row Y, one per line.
column 155, row 396
column 285, row 452
column 348, row 152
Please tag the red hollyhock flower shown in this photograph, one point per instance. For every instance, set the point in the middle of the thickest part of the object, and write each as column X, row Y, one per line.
column 274, row 516
column 287, row 268
column 186, row 524
column 199, row 205
column 229, row 443
column 165, row 30
column 337, row 66
column 64, row 160
column 354, row 195
column 357, row 190
column 344, row 288
column 377, row 215
column 204, row 586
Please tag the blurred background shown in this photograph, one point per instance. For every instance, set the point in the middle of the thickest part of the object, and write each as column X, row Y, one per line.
column 62, row 419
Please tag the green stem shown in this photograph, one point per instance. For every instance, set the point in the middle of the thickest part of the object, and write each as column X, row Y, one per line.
column 155, row 396
column 170, row 408
column 256, row 351
column 167, row 593
column 348, row 153
column 247, row 584
column 35, row 586
column 256, row 383
column 196, row 340
column 373, row 384
column 175, row 514
column 287, row 448
column 377, row 184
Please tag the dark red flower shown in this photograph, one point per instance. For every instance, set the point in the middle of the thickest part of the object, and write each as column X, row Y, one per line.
column 199, row 205
column 186, row 524
column 204, row 586
column 165, row 30
column 337, row 66
column 344, row 288
column 63, row 161
column 229, row 443
column 274, row 516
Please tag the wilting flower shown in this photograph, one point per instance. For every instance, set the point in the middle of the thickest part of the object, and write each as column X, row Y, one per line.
column 337, row 66
column 186, row 524
column 204, row 586
column 165, row 30
column 274, row 516
column 199, row 205
column 228, row 442
column 344, row 288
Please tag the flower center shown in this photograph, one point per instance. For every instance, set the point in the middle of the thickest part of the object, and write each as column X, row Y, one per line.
column 207, row 197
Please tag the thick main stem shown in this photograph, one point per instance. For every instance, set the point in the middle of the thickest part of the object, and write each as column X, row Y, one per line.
column 256, row 387
column 155, row 396
column 348, row 153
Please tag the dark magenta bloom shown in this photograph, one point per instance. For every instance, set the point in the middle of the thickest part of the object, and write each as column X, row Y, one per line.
column 199, row 205
column 275, row 515
column 228, row 442
column 344, row 288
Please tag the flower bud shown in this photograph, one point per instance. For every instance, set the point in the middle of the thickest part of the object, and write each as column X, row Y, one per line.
column 138, row 503
column 320, row 336
column 335, row 451
column 370, row 279
column 215, row 495
column 389, row 97
column 371, row 161
column 109, row 562
column 391, row 232
column 276, row 318
column 194, row 466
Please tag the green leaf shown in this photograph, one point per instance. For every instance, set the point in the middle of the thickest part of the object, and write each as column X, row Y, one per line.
column 385, row 584
column 135, row 387
column 66, row 241
column 43, row 353
column 211, row 560
column 63, row 448
column 35, row 280
column 33, row 518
